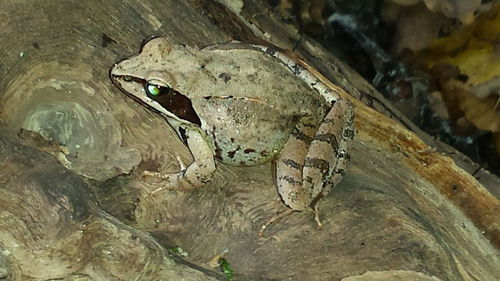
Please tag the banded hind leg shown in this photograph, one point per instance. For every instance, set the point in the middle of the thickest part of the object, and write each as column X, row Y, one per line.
column 313, row 160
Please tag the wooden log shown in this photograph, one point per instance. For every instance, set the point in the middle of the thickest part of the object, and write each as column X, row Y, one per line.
column 85, row 213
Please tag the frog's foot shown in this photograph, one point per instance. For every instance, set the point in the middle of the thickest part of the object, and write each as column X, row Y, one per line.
column 166, row 176
column 171, row 181
column 198, row 173
column 273, row 219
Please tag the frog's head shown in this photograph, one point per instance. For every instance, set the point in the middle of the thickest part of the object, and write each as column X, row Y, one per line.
column 151, row 78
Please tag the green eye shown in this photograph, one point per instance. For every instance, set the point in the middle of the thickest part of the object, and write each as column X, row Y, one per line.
column 153, row 90
column 156, row 90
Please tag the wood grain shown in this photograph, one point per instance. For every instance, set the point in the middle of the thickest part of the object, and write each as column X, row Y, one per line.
column 400, row 206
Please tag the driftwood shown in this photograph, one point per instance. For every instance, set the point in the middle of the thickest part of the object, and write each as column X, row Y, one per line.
column 85, row 213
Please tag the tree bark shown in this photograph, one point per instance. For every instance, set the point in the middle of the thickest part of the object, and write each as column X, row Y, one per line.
column 75, row 207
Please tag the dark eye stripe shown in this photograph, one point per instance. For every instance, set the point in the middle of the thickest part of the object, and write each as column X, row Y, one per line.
column 174, row 102
column 169, row 98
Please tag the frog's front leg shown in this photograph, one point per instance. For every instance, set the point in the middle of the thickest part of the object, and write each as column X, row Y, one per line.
column 313, row 160
column 197, row 173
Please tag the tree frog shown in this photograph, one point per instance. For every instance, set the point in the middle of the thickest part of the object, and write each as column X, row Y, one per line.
column 244, row 104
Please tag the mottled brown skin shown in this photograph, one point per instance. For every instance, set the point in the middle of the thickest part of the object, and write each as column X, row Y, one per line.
column 244, row 105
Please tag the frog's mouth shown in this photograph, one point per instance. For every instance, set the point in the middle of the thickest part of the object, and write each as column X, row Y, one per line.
column 170, row 103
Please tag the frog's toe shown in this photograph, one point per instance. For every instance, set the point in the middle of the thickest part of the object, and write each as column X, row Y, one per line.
column 155, row 174
column 181, row 163
column 170, row 181
column 316, row 217
column 271, row 220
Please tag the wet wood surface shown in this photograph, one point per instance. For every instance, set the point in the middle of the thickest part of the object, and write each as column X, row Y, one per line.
column 73, row 205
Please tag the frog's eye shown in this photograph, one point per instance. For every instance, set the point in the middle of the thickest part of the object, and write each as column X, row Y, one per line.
column 156, row 90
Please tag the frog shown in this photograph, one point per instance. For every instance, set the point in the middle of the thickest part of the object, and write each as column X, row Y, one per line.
column 244, row 105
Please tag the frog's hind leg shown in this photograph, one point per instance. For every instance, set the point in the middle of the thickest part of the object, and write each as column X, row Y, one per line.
column 312, row 163
column 327, row 157
column 288, row 172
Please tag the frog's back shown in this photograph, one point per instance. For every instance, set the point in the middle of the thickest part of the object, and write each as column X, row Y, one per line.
column 253, row 74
